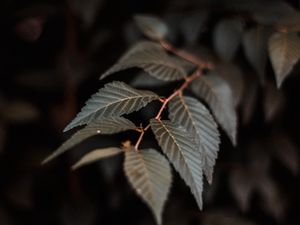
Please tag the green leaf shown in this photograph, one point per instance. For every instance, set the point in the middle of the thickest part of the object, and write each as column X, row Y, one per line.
column 255, row 47
column 110, row 125
column 150, row 175
column 217, row 94
column 96, row 155
column 115, row 99
column 182, row 151
column 197, row 120
column 153, row 27
column 227, row 37
column 152, row 58
column 284, row 51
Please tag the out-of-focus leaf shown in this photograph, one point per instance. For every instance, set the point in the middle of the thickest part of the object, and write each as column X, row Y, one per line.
column 274, row 101
column 19, row 111
column 96, row 155
column 242, row 186
column 110, row 125
column 227, row 37
column 217, row 94
column 150, row 175
column 87, row 10
column 115, row 99
column 182, row 150
column 197, row 120
column 192, row 25
column 151, row 26
column 284, row 51
column 255, row 42
column 272, row 201
column 286, row 152
column 152, row 58
column 233, row 76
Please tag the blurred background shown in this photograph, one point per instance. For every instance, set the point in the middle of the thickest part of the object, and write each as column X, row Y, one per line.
column 51, row 56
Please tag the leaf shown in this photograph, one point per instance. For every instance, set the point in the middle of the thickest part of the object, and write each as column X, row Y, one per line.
column 150, row 175
column 197, row 120
column 242, row 186
column 255, row 47
column 217, row 94
column 227, row 37
column 151, row 26
column 19, row 111
column 181, row 149
column 110, row 125
column 152, row 58
column 96, row 155
column 115, row 99
column 234, row 77
column 284, row 51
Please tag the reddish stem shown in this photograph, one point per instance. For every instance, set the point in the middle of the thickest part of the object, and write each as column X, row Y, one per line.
column 188, row 80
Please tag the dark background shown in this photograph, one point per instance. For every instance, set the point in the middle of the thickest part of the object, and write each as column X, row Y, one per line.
column 51, row 55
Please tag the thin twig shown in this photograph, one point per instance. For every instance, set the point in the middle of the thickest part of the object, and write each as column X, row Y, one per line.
column 187, row 81
column 186, row 55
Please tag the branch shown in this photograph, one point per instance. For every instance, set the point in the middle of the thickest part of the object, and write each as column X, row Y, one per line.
column 179, row 91
column 186, row 55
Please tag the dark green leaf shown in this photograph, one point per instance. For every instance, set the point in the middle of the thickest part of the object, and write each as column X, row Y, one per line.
column 217, row 94
column 197, row 120
column 227, row 37
column 182, row 151
column 115, row 99
column 150, row 175
column 152, row 58
column 110, row 125
column 151, row 26
column 96, row 155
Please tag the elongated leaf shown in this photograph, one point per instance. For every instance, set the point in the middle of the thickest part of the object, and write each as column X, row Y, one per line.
column 96, row 155
column 110, row 125
column 217, row 94
column 197, row 120
column 227, row 37
column 182, row 151
column 255, row 47
column 150, row 175
column 151, row 26
column 284, row 51
column 115, row 99
column 152, row 58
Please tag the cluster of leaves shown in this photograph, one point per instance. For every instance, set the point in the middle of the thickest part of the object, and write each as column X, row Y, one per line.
column 189, row 137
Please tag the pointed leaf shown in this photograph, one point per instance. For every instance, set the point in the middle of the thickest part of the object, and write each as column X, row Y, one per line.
column 197, row 120
column 150, row 175
column 96, row 155
column 217, row 94
column 152, row 58
column 227, row 37
column 151, row 26
column 255, row 47
column 110, row 125
column 182, row 151
column 284, row 51
column 115, row 99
